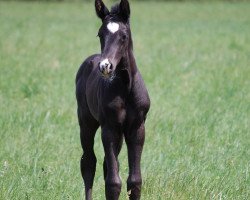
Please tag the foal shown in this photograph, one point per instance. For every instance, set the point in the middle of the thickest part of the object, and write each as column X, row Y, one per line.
column 111, row 94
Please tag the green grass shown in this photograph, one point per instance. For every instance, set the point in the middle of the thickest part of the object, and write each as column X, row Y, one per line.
column 195, row 59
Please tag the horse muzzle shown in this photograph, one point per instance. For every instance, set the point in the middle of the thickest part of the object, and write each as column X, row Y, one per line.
column 106, row 67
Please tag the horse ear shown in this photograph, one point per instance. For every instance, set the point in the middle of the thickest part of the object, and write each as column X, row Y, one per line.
column 101, row 9
column 124, row 9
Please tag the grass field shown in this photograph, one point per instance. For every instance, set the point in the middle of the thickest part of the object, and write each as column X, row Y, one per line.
column 195, row 59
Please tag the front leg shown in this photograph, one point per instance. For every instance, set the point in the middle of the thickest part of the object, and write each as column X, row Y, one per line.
column 135, row 141
column 119, row 147
column 112, row 139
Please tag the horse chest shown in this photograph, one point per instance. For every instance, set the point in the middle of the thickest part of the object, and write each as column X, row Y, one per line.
column 114, row 110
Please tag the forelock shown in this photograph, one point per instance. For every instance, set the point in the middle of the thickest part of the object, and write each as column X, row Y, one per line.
column 114, row 14
column 115, row 9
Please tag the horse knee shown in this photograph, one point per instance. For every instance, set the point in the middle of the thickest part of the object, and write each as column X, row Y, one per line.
column 114, row 182
column 88, row 162
column 113, row 188
column 134, row 181
column 89, row 157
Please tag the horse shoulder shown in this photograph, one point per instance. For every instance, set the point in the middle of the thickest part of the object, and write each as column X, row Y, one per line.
column 82, row 77
column 86, row 67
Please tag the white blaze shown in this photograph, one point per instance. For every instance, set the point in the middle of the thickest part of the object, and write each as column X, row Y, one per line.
column 113, row 27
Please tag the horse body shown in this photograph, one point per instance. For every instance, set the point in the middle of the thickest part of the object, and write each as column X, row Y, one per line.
column 111, row 94
column 111, row 101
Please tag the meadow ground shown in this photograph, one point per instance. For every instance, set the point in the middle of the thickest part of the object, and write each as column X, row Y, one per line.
column 195, row 59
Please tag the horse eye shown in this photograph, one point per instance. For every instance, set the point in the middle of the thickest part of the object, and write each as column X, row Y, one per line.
column 124, row 37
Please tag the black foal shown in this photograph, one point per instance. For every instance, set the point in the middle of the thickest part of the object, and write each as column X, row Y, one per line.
column 110, row 93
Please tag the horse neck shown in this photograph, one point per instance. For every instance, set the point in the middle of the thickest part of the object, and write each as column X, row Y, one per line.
column 128, row 61
column 127, row 69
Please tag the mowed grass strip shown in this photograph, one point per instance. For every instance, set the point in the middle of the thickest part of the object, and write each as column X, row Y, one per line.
column 195, row 60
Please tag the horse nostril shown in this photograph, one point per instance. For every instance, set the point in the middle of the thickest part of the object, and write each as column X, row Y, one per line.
column 105, row 66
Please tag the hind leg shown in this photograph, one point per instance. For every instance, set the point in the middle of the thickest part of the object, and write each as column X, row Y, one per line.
column 88, row 127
